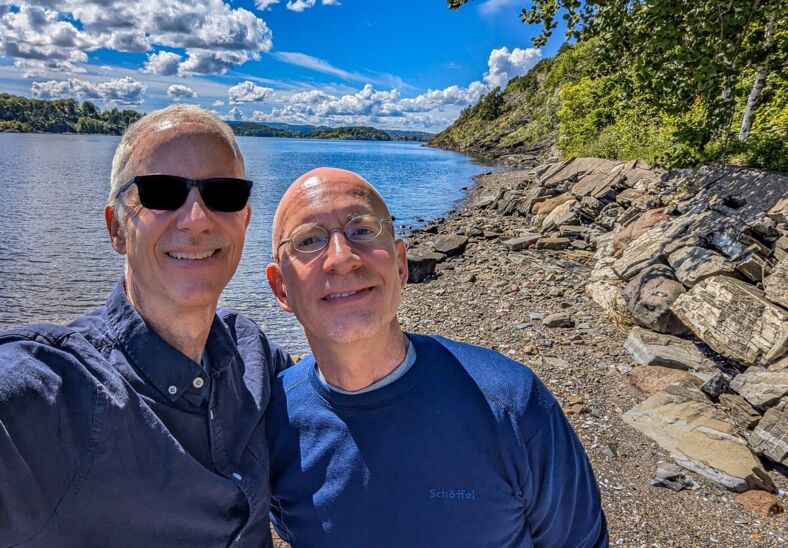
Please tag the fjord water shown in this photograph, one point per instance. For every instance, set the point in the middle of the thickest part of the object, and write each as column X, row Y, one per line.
column 56, row 262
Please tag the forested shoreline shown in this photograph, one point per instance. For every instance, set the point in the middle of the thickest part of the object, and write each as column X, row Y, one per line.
column 24, row 115
column 673, row 82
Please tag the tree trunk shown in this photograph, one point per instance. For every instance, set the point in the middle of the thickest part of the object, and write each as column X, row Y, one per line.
column 762, row 71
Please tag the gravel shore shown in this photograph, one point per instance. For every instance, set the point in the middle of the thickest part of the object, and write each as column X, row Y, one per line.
column 492, row 297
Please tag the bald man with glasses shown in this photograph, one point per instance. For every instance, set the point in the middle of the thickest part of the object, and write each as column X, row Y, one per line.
column 383, row 438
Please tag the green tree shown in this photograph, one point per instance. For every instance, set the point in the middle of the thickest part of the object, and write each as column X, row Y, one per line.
column 679, row 53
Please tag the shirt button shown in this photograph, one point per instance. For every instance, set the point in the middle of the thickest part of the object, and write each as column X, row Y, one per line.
column 198, row 382
column 172, row 390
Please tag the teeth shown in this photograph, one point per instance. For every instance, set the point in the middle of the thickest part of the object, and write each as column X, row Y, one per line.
column 191, row 256
column 338, row 295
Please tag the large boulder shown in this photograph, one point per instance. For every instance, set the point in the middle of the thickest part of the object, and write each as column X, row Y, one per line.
column 637, row 228
column 734, row 319
column 562, row 215
column 450, row 244
column 654, row 378
column 649, row 296
column 646, row 250
column 728, row 201
column 650, row 348
column 420, row 267
column 602, row 186
column 742, row 413
column 760, row 388
column 549, row 204
column 770, row 437
column 607, row 294
column 776, row 284
column 693, row 264
column 699, row 437
column 577, row 167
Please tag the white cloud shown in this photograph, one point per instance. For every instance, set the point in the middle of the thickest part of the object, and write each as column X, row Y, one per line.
column 123, row 91
column 301, row 5
column 217, row 103
column 164, row 63
column 134, row 40
column 179, row 91
column 35, row 68
column 452, row 95
column 265, row 4
column 505, row 65
column 235, row 114
column 204, row 61
column 248, row 92
column 314, row 63
column 216, row 36
column 490, row 7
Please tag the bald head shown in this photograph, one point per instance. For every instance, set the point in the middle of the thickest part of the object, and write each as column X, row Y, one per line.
column 315, row 188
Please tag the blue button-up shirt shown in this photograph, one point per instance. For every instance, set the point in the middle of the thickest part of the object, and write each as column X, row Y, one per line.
column 109, row 436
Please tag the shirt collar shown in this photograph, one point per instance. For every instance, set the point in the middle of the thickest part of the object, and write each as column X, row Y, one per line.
column 165, row 367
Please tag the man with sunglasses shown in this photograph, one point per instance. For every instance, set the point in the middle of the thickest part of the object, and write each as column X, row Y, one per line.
column 140, row 424
column 383, row 438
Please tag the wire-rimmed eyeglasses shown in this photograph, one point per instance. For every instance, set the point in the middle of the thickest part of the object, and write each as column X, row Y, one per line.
column 313, row 238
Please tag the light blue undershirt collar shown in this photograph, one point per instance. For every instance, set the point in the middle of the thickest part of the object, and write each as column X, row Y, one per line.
column 401, row 369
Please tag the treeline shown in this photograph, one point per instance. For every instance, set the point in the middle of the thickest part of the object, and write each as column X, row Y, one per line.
column 21, row 114
column 364, row 133
column 673, row 82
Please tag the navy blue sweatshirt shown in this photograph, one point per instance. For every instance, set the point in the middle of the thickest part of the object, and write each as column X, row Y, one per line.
column 468, row 448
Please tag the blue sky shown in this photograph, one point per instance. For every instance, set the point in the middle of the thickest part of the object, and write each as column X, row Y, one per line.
column 405, row 64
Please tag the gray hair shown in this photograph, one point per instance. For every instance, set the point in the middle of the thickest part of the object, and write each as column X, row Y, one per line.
column 123, row 163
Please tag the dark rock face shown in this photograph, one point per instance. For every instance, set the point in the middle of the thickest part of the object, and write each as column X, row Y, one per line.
column 420, row 268
column 649, row 296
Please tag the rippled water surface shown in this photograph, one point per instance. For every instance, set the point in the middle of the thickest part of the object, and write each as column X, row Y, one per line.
column 55, row 258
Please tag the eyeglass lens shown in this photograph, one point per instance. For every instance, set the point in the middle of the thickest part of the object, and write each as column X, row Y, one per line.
column 312, row 238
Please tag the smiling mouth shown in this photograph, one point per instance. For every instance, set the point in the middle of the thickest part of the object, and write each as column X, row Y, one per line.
column 182, row 256
column 345, row 294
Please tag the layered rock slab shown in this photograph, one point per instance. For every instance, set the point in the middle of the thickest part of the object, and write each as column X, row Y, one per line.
column 770, row 437
column 698, row 436
column 734, row 319
column 762, row 389
column 650, row 348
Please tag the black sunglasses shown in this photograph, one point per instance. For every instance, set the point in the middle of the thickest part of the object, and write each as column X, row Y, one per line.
column 169, row 192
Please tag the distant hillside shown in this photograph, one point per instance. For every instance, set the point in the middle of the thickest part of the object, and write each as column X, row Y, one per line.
column 296, row 128
column 254, row 129
column 363, row 133
column 564, row 107
column 522, row 118
column 23, row 115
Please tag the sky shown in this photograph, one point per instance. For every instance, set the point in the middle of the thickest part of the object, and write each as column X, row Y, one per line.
column 396, row 64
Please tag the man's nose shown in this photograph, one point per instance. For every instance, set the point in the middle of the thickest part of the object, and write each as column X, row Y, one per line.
column 340, row 255
column 193, row 214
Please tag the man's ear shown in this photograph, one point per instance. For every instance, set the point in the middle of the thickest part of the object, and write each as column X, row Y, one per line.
column 115, row 233
column 273, row 274
column 402, row 261
column 248, row 216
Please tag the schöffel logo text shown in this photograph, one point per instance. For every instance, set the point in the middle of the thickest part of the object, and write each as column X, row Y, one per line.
column 453, row 494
